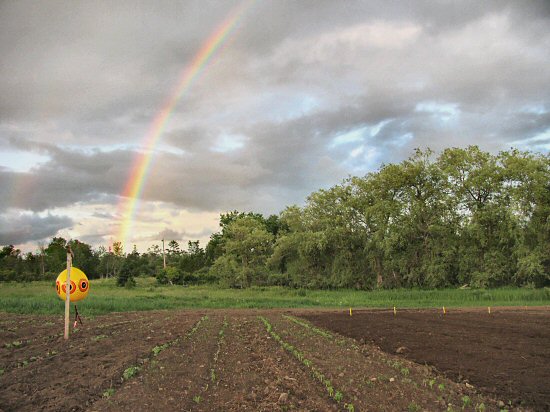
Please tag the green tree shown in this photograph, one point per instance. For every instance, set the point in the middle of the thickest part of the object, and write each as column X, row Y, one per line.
column 247, row 245
column 56, row 256
column 129, row 269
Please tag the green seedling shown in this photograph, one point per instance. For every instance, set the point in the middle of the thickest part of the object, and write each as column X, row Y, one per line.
column 338, row 396
column 405, row 372
column 466, row 401
column 480, row 407
column 431, row 383
column 197, row 399
column 130, row 372
column 158, row 349
column 109, row 392
column 350, row 407
column 441, row 387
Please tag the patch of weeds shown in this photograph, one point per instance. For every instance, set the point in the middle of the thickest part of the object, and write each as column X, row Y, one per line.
column 130, row 372
column 382, row 378
column 109, row 392
column 413, row 407
column 405, row 371
column 369, row 383
column 394, row 364
column 98, row 338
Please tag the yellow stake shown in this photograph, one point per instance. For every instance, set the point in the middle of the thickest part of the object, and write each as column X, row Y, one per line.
column 489, row 310
column 394, row 311
column 444, row 312
column 350, row 311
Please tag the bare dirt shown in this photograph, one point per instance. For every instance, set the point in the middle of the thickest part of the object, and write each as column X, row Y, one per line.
column 505, row 353
column 274, row 360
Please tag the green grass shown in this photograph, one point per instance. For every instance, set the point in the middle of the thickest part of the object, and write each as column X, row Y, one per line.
column 106, row 297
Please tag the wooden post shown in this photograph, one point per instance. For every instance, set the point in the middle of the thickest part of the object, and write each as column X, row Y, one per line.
column 68, row 291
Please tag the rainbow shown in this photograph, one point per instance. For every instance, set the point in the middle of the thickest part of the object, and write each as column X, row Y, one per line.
column 140, row 168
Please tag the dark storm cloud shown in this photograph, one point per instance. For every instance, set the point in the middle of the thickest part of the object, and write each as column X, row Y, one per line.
column 69, row 177
column 20, row 228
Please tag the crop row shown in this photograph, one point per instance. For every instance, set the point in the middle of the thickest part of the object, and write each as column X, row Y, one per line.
column 221, row 341
column 335, row 394
column 399, row 367
column 133, row 370
column 309, row 326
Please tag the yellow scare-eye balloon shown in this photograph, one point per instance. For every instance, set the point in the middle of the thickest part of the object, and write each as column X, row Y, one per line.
column 79, row 285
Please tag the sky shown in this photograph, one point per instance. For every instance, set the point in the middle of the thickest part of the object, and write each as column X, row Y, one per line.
column 295, row 97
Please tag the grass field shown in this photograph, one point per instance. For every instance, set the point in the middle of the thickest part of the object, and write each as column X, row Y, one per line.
column 105, row 297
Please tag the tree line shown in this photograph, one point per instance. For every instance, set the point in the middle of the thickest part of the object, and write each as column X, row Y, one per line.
column 464, row 217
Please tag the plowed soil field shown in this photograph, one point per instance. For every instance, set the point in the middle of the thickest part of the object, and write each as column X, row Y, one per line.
column 264, row 360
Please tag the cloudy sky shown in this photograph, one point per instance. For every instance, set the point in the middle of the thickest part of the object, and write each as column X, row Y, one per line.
column 299, row 95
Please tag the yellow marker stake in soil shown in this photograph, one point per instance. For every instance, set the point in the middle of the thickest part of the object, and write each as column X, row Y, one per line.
column 350, row 311
column 489, row 310
column 394, row 311
column 444, row 311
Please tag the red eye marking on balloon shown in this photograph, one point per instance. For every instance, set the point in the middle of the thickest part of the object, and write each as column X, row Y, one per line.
column 83, row 285
column 73, row 287
column 57, row 286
